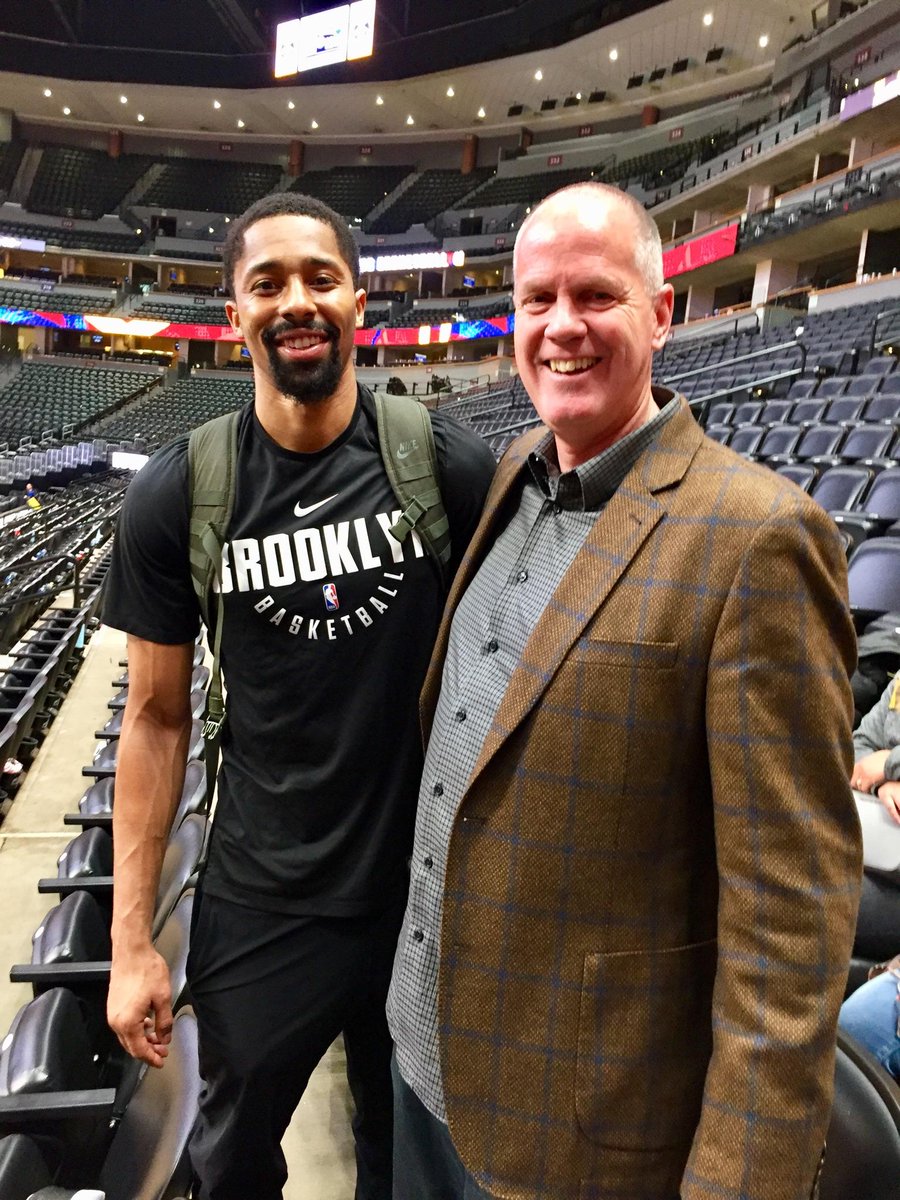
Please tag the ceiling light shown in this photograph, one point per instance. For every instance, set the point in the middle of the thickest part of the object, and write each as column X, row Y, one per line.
column 314, row 124
column 613, row 54
column 216, row 104
column 67, row 111
column 210, row 229
column 140, row 117
column 763, row 41
column 47, row 93
column 539, row 74
column 139, row 231
column 481, row 114
column 379, row 100
column 707, row 19
column 578, row 95
column 240, row 123
column 450, row 92
column 409, row 120
column 123, row 99
column 228, row 220
column 291, row 105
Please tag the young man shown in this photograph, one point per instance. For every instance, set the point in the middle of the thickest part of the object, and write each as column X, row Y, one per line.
column 329, row 623
column 636, row 862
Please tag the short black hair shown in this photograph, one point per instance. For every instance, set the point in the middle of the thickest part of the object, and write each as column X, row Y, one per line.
column 280, row 204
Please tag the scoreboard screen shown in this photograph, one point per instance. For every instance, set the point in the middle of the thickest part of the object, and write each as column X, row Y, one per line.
column 337, row 35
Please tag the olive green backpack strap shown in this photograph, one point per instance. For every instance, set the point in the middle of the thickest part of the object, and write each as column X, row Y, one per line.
column 212, row 461
column 407, row 447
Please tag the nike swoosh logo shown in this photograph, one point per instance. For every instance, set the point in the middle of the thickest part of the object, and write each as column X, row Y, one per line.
column 304, row 512
column 405, row 453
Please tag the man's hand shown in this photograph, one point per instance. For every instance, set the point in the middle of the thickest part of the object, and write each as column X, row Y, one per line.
column 889, row 795
column 139, row 1008
column 869, row 771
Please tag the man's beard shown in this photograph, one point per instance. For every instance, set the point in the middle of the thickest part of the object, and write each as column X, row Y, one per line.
column 305, row 383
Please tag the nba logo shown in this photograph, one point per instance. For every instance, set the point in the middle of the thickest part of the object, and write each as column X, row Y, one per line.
column 329, row 591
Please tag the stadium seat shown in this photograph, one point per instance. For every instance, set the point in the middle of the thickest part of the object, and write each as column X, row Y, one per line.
column 862, row 1158
column 23, row 1167
column 840, row 488
column 804, row 475
column 873, row 576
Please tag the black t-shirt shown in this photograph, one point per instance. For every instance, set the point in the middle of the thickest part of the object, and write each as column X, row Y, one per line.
column 329, row 626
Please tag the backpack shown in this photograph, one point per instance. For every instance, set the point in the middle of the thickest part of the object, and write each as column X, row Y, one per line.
column 406, row 441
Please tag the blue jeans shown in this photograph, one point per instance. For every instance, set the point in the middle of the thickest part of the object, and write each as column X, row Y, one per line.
column 870, row 1015
column 426, row 1165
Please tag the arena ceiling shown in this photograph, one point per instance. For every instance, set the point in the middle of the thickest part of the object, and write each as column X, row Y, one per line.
column 205, row 66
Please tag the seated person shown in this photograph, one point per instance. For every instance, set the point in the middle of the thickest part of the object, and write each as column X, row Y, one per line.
column 876, row 746
column 871, row 1015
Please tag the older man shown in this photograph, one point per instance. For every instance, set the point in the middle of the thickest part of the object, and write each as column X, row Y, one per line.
column 636, row 861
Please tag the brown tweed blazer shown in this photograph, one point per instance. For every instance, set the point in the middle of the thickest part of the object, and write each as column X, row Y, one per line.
column 652, row 878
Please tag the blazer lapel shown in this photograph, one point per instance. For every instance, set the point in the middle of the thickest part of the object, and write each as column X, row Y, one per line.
column 617, row 535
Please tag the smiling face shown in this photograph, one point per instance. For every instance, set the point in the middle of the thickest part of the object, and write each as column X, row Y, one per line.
column 586, row 327
column 296, row 308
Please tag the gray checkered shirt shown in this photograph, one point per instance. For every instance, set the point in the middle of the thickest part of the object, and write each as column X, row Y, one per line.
column 493, row 622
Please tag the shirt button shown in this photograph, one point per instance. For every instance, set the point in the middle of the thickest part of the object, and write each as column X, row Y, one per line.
column 429, row 861
column 418, row 935
column 460, row 714
column 438, row 789
column 522, row 576
column 491, row 647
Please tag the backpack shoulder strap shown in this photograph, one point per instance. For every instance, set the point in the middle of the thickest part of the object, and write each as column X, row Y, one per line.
column 410, row 459
column 212, row 461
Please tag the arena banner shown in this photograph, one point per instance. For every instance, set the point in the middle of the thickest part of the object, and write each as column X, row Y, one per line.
column 700, row 251
column 420, row 335
column 430, row 335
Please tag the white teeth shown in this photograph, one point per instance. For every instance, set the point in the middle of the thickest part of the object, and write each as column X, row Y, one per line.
column 565, row 366
column 300, row 343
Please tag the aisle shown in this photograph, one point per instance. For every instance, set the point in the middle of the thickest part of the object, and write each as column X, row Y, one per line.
column 318, row 1144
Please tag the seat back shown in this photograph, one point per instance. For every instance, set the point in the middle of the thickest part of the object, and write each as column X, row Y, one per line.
column 839, row 488
column 22, row 1167
column 147, row 1158
column 873, row 575
column 48, row 1048
column 884, row 498
column 863, row 1142
column 75, row 930
column 172, row 944
column 179, row 863
column 88, row 854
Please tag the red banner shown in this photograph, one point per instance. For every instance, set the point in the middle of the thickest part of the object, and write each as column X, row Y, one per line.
column 700, row 251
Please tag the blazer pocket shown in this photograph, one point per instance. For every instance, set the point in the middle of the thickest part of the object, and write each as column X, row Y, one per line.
column 658, row 655
column 644, row 1042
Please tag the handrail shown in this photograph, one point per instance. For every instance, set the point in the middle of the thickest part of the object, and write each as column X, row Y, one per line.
column 704, row 402
column 885, row 312
column 794, row 345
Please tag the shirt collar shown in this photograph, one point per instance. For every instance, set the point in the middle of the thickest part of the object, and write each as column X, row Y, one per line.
column 592, row 484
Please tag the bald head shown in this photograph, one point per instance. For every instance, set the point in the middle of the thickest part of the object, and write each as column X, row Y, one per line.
column 591, row 203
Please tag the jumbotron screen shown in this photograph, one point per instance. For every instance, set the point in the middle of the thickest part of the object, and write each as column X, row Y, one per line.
column 337, row 35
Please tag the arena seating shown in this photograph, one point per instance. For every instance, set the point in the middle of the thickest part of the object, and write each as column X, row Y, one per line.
column 433, row 191
column 170, row 411
column 57, row 300
column 205, row 312
column 524, row 189
column 351, row 191
column 43, row 397
column 210, row 185
column 74, row 239
column 75, row 182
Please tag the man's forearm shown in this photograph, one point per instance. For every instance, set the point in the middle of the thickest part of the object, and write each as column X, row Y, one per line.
column 149, row 780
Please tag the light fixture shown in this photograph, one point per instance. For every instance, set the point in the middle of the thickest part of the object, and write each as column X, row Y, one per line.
column 140, row 117
column 291, row 105
column 47, row 93
column 228, row 220
column 67, row 111
column 216, row 104
column 481, row 114
column 578, row 95
column 123, row 99
column 450, row 92
column 539, row 74
column 379, row 100
column 707, row 19
column 763, row 41
column 240, row 123
column 409, row 120
column 210, row 229
column 139, row 231
column 613, row 54
column 314, row 124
